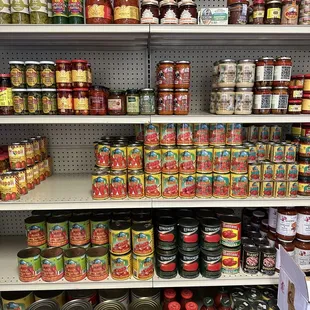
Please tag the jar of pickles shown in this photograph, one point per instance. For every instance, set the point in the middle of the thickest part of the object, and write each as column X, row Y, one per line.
column 19, row 98
column 35, row 101
column 6, row 104
column 48, row 79
column 33, row 79
column 133, row 102
column 49, row 101
column 79, row 73
column 65, row 101
column 17, row 72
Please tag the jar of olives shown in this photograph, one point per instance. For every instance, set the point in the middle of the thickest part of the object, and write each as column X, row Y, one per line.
column 6, row 104
column 33, row 74
column 38, row 12
column 48, row 74
column 17, row 72
column 19, row 97
column 34, row 101
column 49, row 101
column 20, row 12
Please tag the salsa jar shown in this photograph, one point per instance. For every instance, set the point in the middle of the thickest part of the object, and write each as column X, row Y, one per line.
column 245, row 73
column 20, row 103
column 304, row 166
column 49, row 101
column 279, row 102
column 303, row 227
column 188, row 12
column 181, row 102
column 165, row 74
column 149, row 12
column 262, row 100
column 273, row 12
column 238, row 11
column 169, row 12
column 126, row 12
column 35, row 101
column 6, row 104
column 17, row 73
column 117, row 102
column 63, row 74
column 264, row 71
column 65, row 101
column 282, row 71
column 98, row 100
column 33, row 74
column 147, row 101
column 165, row 101
column 227, row 73
column 286, row 223
column 48, row 78
column 80, row 101
column 182, row 74
column 99, row 12
column 79, row 73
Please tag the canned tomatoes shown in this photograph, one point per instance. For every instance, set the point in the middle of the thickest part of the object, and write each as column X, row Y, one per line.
column 275, row 133
column 187, row 185
column 99, row 229
column 29, row 264
column 118, row 156
column 234, row 134
column 52, row 263
column 120, row 266
column 252, row 152
column 266, row 189
column 184, row 134
column 263, row 133
column 17, row 156
column 231, row 260
column 292, row 189
column 239, row 159
column 30, row 178
column 102, row 154
column 120, row 238
column 217, row 134
column 279, row 172
column 79, row 230
column 188, row 233
column 35, row 230
column 211, row 263
column 166, row 232
column 41, row 171
column 135, row 156
column 277, row 153
column 187, row 159
column 189, row 263
column 204, row 185
column 118, row 184
column 100, row 184
column 9, row 186
column 36, row 149
column 152, row 185
column 201, row 134
column 204, row 159
column 292, row 171
column 231, row 231
column 143, row 267
column 290, row 151
column 170, row 185
column 239, row 185
column 22, row 181
column 57, row 231
column 170, row 159
column 261, row 151
column 136, row 184
column 254, row 189
column 97, row 260
column 166, row 263
column 29, row 152
column 167, row 134
column 142, row 239
column 151, row 134
column 210, row 233
column 152, row 159
column 221, row 185
column 267, row 171
column 255, row 173
column 75, row 264
column 36, row 174
column 221, row 159
column 253, row 133
column 279, row 189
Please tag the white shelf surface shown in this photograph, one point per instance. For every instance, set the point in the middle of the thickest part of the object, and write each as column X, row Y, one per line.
column 9, row 276
column 73, row 191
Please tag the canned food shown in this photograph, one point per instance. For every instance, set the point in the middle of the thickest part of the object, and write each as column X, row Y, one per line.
column 255, row 172
column 211, row 263
column 234, row 134
column 43, row 146
column 184, row 134
column 170, row 159
column 29, row 264
column 118, row 156
column 120, row 238
column 36, row 149
column 166, row 232
column 100, row 184
column 58, row 296
column 266, row 189
column 187, row 185
column 254, row 189
column 143, row 266
column 252, row 134
column 79, row 230
column 119, row 295
column 102, row 154
column 267, row 260
column 152, row 185
column 36, row 174
column 75, row 264
column 110, row 305
column 170, row 185
column 231, row 231
column 279, row 172
column 188, row 234
column 204, row 159
column 136, row 184
column 252, row 152
column 52, row 263
column 201, row 134
column 152, row 159
column 57, row 231
column 292, row 171
column 263, row 133
column 250, row 259
column 89, row 296
column 231, row 260
column 290, row 151
column 29, row 178
column 77, row 304
column 217, row 134
column 167, row 134
column 189, row 263
column 261, row 151
column 267, row 171
column 187, row 159
column 239, row 159
column 120, row 266
column 292, row 189
column 9, row 186
column 275, row 133
column 144, row 304
column 118, row 184
column 97, row 260
column 210, row 233
column 166, row 263
column 142, row 293
column 16, row 300
column 277, row 153
column 29, row 152
column 35, row 230
column 48, row 166
column 239, row 185
column 151, row 134
column 221, row 185
column 142, row 239
column 17, row 156
column 204, row 185
column 221, row 159
column 135, row 156
column 279, row 189
column 44, row 304
column 41, row 171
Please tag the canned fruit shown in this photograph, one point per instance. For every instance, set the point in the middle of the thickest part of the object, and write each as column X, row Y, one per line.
column 187, row 160
column 52, row 263
column 142, row 239
column 239, row 185
column 9, row 186
column 201, row 134
column 135, row 156
column 184, row 134
column 120, row 238
column 167, row 134
column 231, row 231
column 97, row 263
column 152, row 159
column 79, row 230
column 118, row 185
column 239, row 160
column 75, row 264
column 100, row 185
column 57, row 231
column 152, row 185
column 121, row 267
column 170, row 160
column 170, row 185
column 17, row 156
column 204, row 160
column 187, row 185
column 151, row 134
column 221, row 159
column 102, row 154
column 231, row 260
column 118, row 156
column 221, row 185
column 204, row 185
column 29, row 264
column 143, row 267
column 35, row 230
column 136, row 184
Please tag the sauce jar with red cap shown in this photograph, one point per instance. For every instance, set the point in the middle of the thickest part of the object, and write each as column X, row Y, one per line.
column 65, row 101
column 63, row 74
column 79, row 73
column 286, row 223
column 282, row 71
column 303, row 223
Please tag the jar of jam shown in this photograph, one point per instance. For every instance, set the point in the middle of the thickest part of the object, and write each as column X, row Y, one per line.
column 238, row 10
column 273, row 12
column 244, row 101
column 290, row 11
column 262, row 100
column 302, row 254
column 304, row 166
column 286, row 223
column 147, row 101
column 126, row 12
column 227, row 73
column 165, row 101
column 165, row 74
column 258, row 12
column 99, row 12
column 294, row 106
column 279, row 101
column 169, row 12
column 132, row 102
column 264, row 72
column 282, row 71
column 80, row 101
column 306, row 82
column 305, row 106
column 150, row 12
column 63, row 74
column 245, row 73
column 305, row 129
column 181, row 102
column 6, row 103
column 225, row 103
column 303, row 225
column 188, row 12
column 182, row 74
column 303, row 186
column 117, row 102
column 98, row 100
column 65, row 101
column 79, row 73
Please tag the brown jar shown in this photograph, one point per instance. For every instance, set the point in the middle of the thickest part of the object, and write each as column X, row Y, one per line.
column 279, row 101
column 273, row 12
column 290, row 11
column 258, row 12
column 182, row 74
column 188, row 12
column 303, row 223
column 295, row 92
column 238, row 10
column 286, row 223
column 117, row 102
column 165, row 101
column 282, row 71
column 98, row 100
column 169, row 12
column 294, row 106
column 264, row 72
column 79, row 73
column 262, row 100
column 80, row 101
column 181, row 102
column 304, row 166
column 297, row 80
column 63, row 74
column 150, row 12
column 302, row 254
column 165, row 74
column 65, row 101
column 305, row 106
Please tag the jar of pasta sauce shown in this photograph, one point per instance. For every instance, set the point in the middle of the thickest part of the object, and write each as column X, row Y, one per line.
column 63, row 74
column 279, row 103
column 165, row 101
column 169, row 12
column 165, row 74
column 282, row 71
column 303, row 223
column 117, row 102
column 262, row 100
column 181, row 102
column 79, row 73
column 286, row 223
column 302, row 254
column 264, row 72
column 80, row 101
column 149, row 12
column 98, row 100
column 65, row 101
column 273, row 12
column 188, row 12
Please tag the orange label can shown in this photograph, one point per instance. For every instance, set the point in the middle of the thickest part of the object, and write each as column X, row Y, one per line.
column 217, row 134
column 17, row 156
column 152, row 159
column 292, row 189
column 279, row 172
column 234, row 134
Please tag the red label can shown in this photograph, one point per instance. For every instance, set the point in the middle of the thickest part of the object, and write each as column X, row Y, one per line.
column 151, row 134
column 234, row 134
column 168, row 134
column 201, row 134
column 185, row 134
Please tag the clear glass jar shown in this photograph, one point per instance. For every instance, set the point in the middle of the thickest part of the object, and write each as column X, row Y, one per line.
column 80, row 101
column 282, row 71
column 188, row 12
column 244, row 101
column 227, row 73
column 117, row 102
column 264, row 72
column 65, row 101
column 273, row 12
column 133, row 102
column 49, row 101
column 35, row 101
column 169, row 12
column 79, row 73
column 262, row 100
column 238, row 12
column 147, row 101
column 19, row 98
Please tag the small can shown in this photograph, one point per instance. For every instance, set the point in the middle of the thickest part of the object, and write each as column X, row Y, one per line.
column 250, row 258
column 75, row 264
column 187, row 159
column 30, row 157
column 35, row 230
column 57, row 296
column 52, row 263
column 267, row 260
column 261, row 151
column 170, row 159
column 252, row 153
column 22, row 181
column 231, row 231
column 151, row 134
column 142, row 239
column 143, row 266
column 292, row 189
column 210, row 233
column 239, row 185
column 17, row 300
column 201, row 134
column 211, row 263
column 121, row 266
column 118, row 184
column 168, row 134
column 254, row 189
column 166, row 233
column 189, row 263
column 221, row 185
column 102, row 154
column 36, row 174
column 279, row 172
column 29, row 264
column 279, row 189
column 135, row 156
column 234, row 134
column 152, row 185
column 292, row 171
column 152, row 159
column 184, row 134
column 267, row 171
column 36, row 149
column 188, row 233
column 217, row 134
column 187, row 185
column 120, row 238
column 170, row 185
column 118, row 156
column 17, row 156
column 221, row 159
column 204, row 159
column 204, row 185
column 99, row 229
column 97, row 260
column 253, row 134
column 290, row 151
column 100, row 184
column 166, row 263
column 266, row 189
column 136, row 184
column 239, row 159
column 277, row 153
column 9, row 186
column 255, row 172
column 231, row 260
column 79, row 230
column 263, row 133
column 275, row 133
column 57, row 231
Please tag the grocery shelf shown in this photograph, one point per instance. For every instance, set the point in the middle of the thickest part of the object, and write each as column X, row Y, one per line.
column 73, row 192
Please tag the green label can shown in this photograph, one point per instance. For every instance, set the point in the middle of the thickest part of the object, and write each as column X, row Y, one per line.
column 57, row 232
column 52, row 263
column 35, row 230
column 97, row 263
column 79, row 229
column 75, row 264
column 99, row 230
column 29, row 264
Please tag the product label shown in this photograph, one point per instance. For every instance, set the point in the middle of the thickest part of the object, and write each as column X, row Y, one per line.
column 231, row 261
column 32, row 77
column 227, row 73
column 75, row 8
column 264, row 73
column 47, row 77
column 79, row 233
column 304, row 169
column 187, row 18
column 52, row 268
column 63, row 76
column 273, row 13
column 115, row 104
column 80, row 104
column 37, row 6
column 136, row 186
column 244, row 103
column 126, row 12
column 4, row 97
column 57, row 234
column 169, row 18
column 152, row 185
column 19, row 104
column 120, row 241
column 97, row 268
column 245, row 73
column 100, row 232
column 20, row 6
column 259, row 14
column 148, row 18
column 143, row 267
column 49, row 104
column 121, row 268
column 33, row 104
column 262, row 101
column 294, row 108
column 282, row 73
column 5, row 8
column 17, row 77
column 64, row 103
column 225, row 102
column 75, row 268
column 79, row 76
column 152, row 161
column 302, row 258
column 305, row 105
column 133, row 104
column 286, row 225
column 98, row 11
column 303, row 224
column 279, row 102
column 60, row 9
column 290, row 11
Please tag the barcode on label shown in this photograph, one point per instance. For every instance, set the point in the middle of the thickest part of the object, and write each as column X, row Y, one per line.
column 266, row 101
column 286, row 73
column 283, row 100
column 268, row 73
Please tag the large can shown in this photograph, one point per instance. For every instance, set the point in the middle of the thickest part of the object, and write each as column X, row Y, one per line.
column 204, row 185
column 168, row 135
column 77, row 304
column 279, row 172
column 30, row 178
column 151, row 134
column 184, row 134
column 100, row 184
column 217, row 134
column 97, row 260
column 267, row 171
column 9, row 186
column 145, row 303
column 231, row 260
column 187, row 159
column 118, row 295
column 275, row 133
column 261, row 151
column 187, row 185
column 136, row 184
column 102, row 154
column 170, row 185
column 201, row 134
column 231, row 231
column 204, row 159
column 239, row 185
column 254, row 189
column 234, row 134
column 89, row 296
column 239, row 159
column 277, row 153
column 152, row 185
column 266, row 189
column 143, row 293
column 58, row 296
column 17, row 156
column 170, row 159
column 279, row 189
column 292, row 171
column 44, row 304
column 75, row 264
column 79, row 230
column 52, row 263
column 118, row 156
column 57, row 231
column 263, row 133
column 29, row 264
column 118, row 184
column 143, row 266
column 166, row 232
column 110, row 305
column 252, row 152
column 121, row 266
column 120, row 238
column 221, row 185
column 99, row 229
column 255, row 172
column 135, row 156
column 221, row 159
column 152, row 159
column 29, row 152
column 36, row 148
column 17, row 300
column 142, row 239
column 35, row 230
column 290, row 151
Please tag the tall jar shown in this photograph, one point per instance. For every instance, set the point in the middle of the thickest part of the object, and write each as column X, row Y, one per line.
column 147, row 101
column 35, row 101
column 273, row 12
column 290, row 11
column 19, row 97
column 76, row 11
column 166, row 74
column 5, row 13
column 63, row 74
column 227, row 73
column 245, row 73
column 6, row 103
column 99, row 12
column 132, row 102
column 20, row 12
column 49, row 101
column 169, row 12
column 188, row 12
column 238, row 11
column 79, row 73
column 264, row 72
column 150, row 12
column 65, row 101
column 98, row 100
column 279, row 101
column 60, row 12
column 47, row 71
column 258, row 12
column 126, row 12
column 262, row 100
column 282, row 71
column 80, row 101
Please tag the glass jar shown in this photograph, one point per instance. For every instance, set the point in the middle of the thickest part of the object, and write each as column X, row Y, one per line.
column 33, row 74
column 238, row 10
column 297, row 80
column 305, row 129
column 38, row 12
column 282, row 71
column 17, row 72
column 305, row 107
column 290, row 11
column 133, row 102
column 188, row 12
column 225, row 103
column 304, row 166
column 303, row 186
column 34, row 101
column 182, row 74
column 262, row 100
column 227, row 73
column 5, row 13
column 169, row 12
column 76, row 11
column 117, row 102
column 244, row 101
column 80, row 101
column 79, row 73
column 245, row 73
column 49, row 101
column 181, row 104
column 295, row 92
column 99, row 12
column 294, row 106
column 258, row 12
column 150, row 12
column 250, row 15
column 60, row 12
column 98, row 100
column 47, row 71
column 63, row 74
column 306, row 82
column 273, row 12
column 20, row 12
column 165, row 101
column 147, row 101
column 6, row 103
column 65, row 101
column 302, row 254
column 264, row 72
column 126, row 12
column 19, row 98
column 286, row 223
column 89, row 76
column 165, row 74
column 279, row 101
column 213, row 100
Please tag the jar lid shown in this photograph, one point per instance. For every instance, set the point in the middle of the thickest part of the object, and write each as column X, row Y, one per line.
column 282, row 57
column 186, row 294
column 153, row 2
column 188, row 2
column 79, row 60
column 226, row 89
column 182, row 90
column 117, row 92
column 167, row 2
column 246, row 60
column 298, row 101
column 35, row 89
column 183, row 61
column 19, row 89
column 274, row 1
column 5, row 75
column 167, row 61
column 298, row 76
column 32, row 63
column 247, row 89
column 17, row 62
column 146, row 89
column 263, row 87
column 170, row 293
column 232, row 2
column 296, row 87
column 266, row 58
column 47, row 62
column 166, row 89
column 132, row 91
column 80, row 89
column 61, row 61
column 258, row 2
column 64, row 89
column 49, row 89
column 227, row 60
column 307, row 76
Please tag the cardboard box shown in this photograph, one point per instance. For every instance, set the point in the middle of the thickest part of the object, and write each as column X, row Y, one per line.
column 294, row 286
column 213, row 16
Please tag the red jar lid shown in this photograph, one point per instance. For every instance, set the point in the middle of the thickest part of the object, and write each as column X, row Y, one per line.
column 296, row 101
column 306, row 95
column 61, row 61
column 186, row 294
column 258, row 2
column 64, row 89
column 307, row 76
column 298, row 76
column 80, row 89
column 5, row 75
column 296, row 87
column 191, row 306
column 79, row 60
column 305, row 124
column 170, row 293
column 174, row 305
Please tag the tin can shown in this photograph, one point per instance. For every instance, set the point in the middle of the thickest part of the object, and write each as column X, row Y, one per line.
column 110, row 305
column 30, row 178
column 277, row 153
column 79, row 230
column 221, row 185
column 118, row 156
column 144, row 293
column 35, row 230
column 239, row 159
column 279, row 189
column 139, row 132
column 187, row 159
column 231, row 231
column 9, row 186
column 211, row 263
column 29, row 152
column 261, row 151
column 231, row 260
column 17, row 300
column 234, row 134
column 292, row 171
column 57, row 296
column 52, row 263
column 43, row 146
column 144, row 304
column 17, row 156
column 152, row 159
column 118, row 295
column 204, row 185
column 168, row 134
column 152, row 185
column 268, row 150
column 57, row 231
column 75, row 264
column 188, row 265
column 204, row 159
column 239, row 185
column 48, row 166
column 166, row 233
column 263, row 133
column 102, row 154
column 267, row 260
column 250, row 258
column 279, row 172
column 121, row 266
column 100, row 184
column 97, row 260
column 267, row 171
column 77, row 304
column 36, row 174
column 166, row 263
column 210, row 233
column 221, row 159
column 252, row 152
column 118, row 184
column 44, row 304
column 187, row 185
column 151, row 134
column 36, row 149
column 275, row 133
column 290, row 151
column 22, row 181
column 90, row 296
column 266, row 189
column 41, row 171
column 188, row 233
column 142, row 239
column 170, row 185
column 99, row 229
column 201, row 134
column 253, row 134
column 170, row 159
column 143, row 266
column 217, row 134
column 136, row 184
column 184, row 134
column 135, row 156
column 29, row 264
column 254, row 189
column 255, row 172
column 120, row 238
column 292, row 189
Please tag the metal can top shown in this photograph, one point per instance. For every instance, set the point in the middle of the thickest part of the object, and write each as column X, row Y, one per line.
column 77, row 304
column 114, row 293
column 144, row 304
column 44, row 304
column 110, row 305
